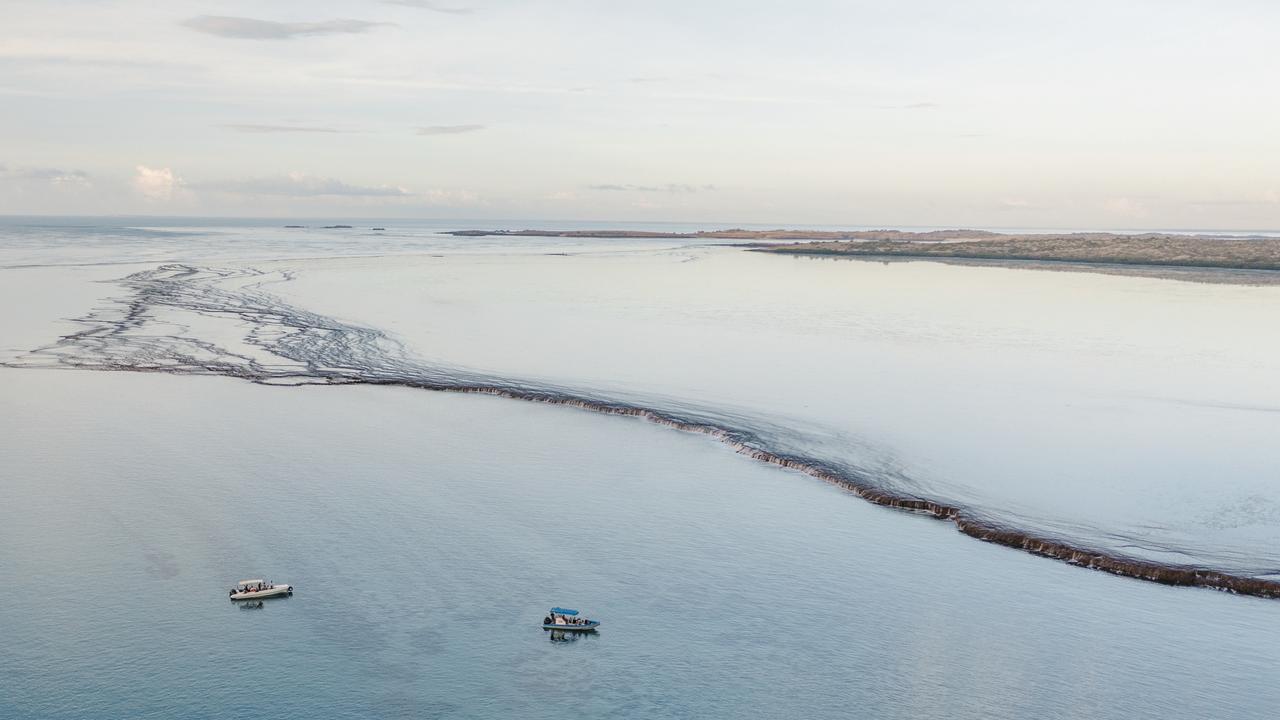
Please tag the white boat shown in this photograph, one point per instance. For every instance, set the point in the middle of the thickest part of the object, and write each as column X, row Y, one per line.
column 257, row 589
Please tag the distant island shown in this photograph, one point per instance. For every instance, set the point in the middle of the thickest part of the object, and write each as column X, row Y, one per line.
column 734, row 234
column 1144, row 254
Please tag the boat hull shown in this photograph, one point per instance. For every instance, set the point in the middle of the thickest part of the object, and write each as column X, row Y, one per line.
column 586, row 627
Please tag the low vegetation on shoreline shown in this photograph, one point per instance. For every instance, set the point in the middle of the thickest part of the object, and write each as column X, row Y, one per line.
column 1258, row 253
column 1157, row 249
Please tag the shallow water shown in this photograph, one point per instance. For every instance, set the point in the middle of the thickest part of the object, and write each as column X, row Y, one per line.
column 1131, row 414
column 1127, row 413
column 425, row 535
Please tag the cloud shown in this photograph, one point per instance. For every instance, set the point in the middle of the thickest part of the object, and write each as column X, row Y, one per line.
column 1266, row 197
column 158, row 184
column 433, row 7
column 668, row 188
column 53, row 176
column 91, row 62
column 253, row 29
column 249, row 128
column 448, row 129
column 450, row 197
column 1126, row 207
column 911, row 106
column 301, row 185
column 1016, row 204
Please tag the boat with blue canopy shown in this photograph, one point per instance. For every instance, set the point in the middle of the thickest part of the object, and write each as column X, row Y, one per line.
column 559, row 618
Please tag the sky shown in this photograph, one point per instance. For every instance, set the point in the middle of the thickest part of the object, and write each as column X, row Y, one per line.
column 985, row 113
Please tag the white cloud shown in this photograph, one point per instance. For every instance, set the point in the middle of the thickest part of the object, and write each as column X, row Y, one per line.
column 448, row 129
column 1015, row 204
column 303, row 186
column 156, row 184
column 1126, row 207
column 668, row 188
column 1266, row 197
column 433, row 7
column 450, row 197
column 243, row 28
column 297, row 184
column 57, row 177
column 251, row 128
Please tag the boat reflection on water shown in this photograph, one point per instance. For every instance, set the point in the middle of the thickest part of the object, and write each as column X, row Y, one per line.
column 261, row 603
column 568, row 636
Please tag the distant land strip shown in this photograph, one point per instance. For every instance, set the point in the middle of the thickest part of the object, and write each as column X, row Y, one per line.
column 1220, row 252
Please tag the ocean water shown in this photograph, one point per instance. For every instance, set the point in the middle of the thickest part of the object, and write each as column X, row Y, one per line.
column 426, row 532
column 425, row 535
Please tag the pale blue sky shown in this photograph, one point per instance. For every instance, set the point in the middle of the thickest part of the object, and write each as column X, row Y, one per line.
column 992, row 113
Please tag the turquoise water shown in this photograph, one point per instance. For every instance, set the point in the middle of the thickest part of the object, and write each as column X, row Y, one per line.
column 426, row 534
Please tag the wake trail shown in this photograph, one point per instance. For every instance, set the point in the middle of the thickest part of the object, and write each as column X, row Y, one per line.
column 168, row 323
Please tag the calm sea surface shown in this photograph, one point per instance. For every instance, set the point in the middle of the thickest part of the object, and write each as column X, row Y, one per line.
column 427, row 533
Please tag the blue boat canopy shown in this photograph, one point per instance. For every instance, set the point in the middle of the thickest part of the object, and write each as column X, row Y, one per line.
column 564, row 611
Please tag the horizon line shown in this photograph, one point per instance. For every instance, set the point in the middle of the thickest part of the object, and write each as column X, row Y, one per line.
column 772, row 226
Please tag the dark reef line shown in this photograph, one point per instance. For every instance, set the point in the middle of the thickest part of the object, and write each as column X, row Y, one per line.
column 1008, row 537
column 307, row 348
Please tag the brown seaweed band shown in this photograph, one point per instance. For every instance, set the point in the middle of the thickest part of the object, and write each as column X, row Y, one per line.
column 1017, row 539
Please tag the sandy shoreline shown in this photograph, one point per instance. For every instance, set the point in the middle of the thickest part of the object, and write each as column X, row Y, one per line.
column 1209, row 275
